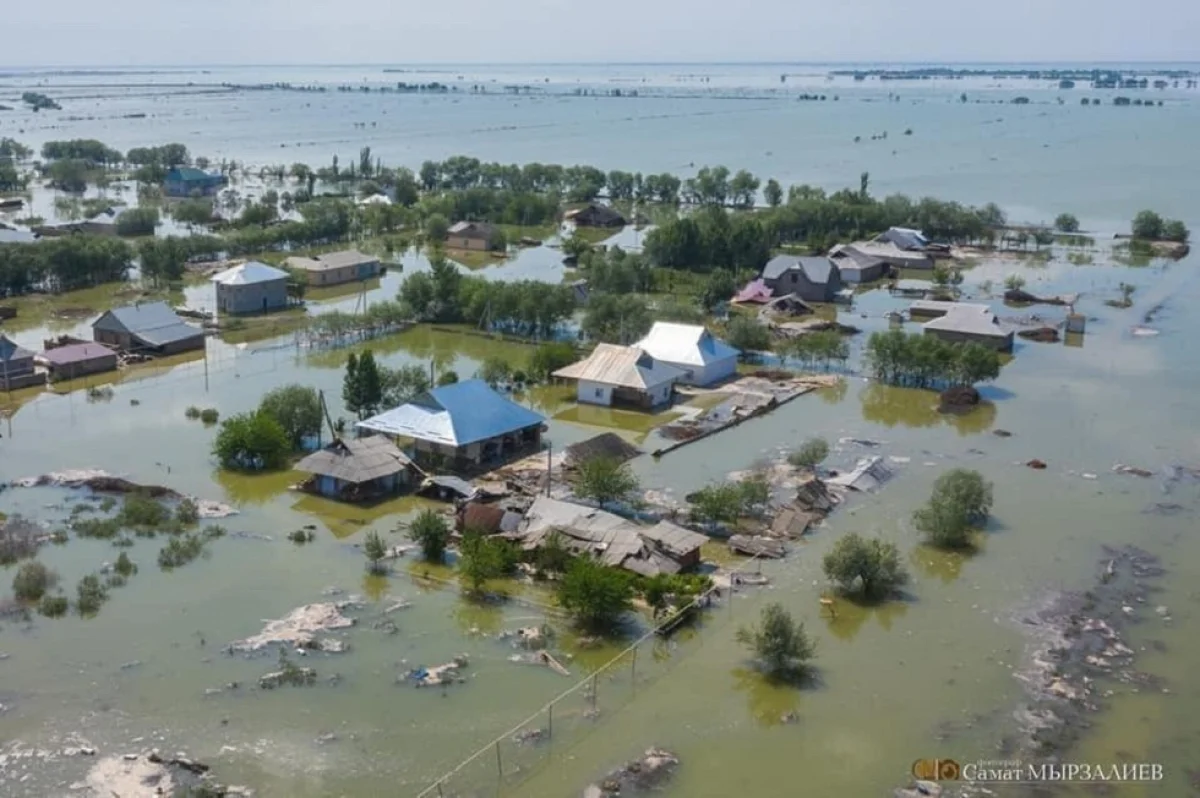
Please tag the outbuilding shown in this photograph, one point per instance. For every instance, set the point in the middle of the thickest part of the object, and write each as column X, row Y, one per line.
column 594, row 215
column 16, row 366
column 335, row 268
column 479, row 236
column 251, row 287
column 78, row 360
column 813, row 279
column 967, row 323
column 187, row 181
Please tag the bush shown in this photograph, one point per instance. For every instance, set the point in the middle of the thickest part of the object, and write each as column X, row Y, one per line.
column 780, row 644
column 187, row 512
column 604, row 480
column 209, row 416
column 102, row 528
column 430, row 531
column 595, row 596
column 180, row 551
column 125, row 566
column 549, row 358
column 1067, row 223
column 89, row 595
column 376, row 550
column 192, row 413
column 482, row 558
column 870, row 566
column 447, row 378
column 1147, row 225
column 714, row 504
column 1175, row 230
column 297, row 408
column 252, row 442
column 810, row 454
column 32, row 581
column 137, row 222
column 494, row 370
column 53, row 606
column 142, row 512
column 745, row 333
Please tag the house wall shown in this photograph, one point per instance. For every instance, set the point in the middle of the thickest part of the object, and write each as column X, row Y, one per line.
column 795, row 281
column 1004, row 344
column 853, row 273
column 113, row 338
column 478, row 244
column 252, row 298
column 342, row 274
column 82, row 368
column 594, row 393
column 19, row 373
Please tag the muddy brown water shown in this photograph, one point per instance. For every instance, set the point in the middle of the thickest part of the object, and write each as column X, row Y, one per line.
column 928, row 676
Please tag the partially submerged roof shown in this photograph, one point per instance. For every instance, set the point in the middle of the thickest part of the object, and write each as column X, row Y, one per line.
column 606, row 444
column 904, row 238
column 817, row 269
column 778, row 265
column 596, row 214
column 849, row 252
column 76, row 353
column 969, row 320
column 673, row 539
column 689, row 344
column 346, row 257
column 938, row 307
column 622, row 366
column 153, row 322
column 10, row 350
column 249, row 273
column 455, row 415
column 868, row 474
column 356, row 460
column 472, row 229
column 191, row 173
column 885, row 250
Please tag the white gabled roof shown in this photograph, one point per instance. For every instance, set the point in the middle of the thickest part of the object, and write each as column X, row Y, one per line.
column 970, row 320
column 249, row 273
column 689, row 344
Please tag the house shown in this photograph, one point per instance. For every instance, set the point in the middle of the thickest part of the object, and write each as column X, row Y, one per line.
column 148, row 327
column 187, row 181
column 479, row 236
column 465, row 423
column 935, row 308
column 905, row 238
column 855, row 266
column 593, row 215
column 891, row 254
column 16, row 366
column 78, row 360
column 103, row 223
column 703, row 358
column 335, row 268
column 811, row 279
column 251, row 287
column 623, row 375
column 613, row 541
column 966, row 323
column 354, row 470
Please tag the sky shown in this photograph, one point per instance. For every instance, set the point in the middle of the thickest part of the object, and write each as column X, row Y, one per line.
column 170, row 32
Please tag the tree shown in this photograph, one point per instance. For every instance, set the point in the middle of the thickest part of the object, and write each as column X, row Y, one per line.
column 163, row 260
column 1175, row 230
column 1067, row 223
column 748, row 335
column 297, row 408
column 871, row 566
column 494, row 370
column 430, row 531
column 715, row 504
column 961, row 498
column 376, row 550
column 550, row 357
column 743, row 188
column 403, row 384
column 1147, row 225
column 447, row 378
column 595, row 596
column 482, row 558
column 193, row 211
column 616, row 319
column 604, row 480
column 553, row 556
column 436, row 228
column 773, row 193
column 1014, row 282
column 352, row 387
column 779, row 643
column 718, row 288
column 943, row 524
column 362, row 386
column 810, row 454
column 137, row 222
column 252, row 442
column 32, row 581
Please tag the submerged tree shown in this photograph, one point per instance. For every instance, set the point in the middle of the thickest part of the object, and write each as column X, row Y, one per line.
column 810, row 454
column 252, row 442
column 482, row 558
column 297, row 408
column 604, row 480
column 595, row 596
column 867, row 565
column 1066, row 223
column 376, row 550
column 430, row 531
column 961, row 499
column 780, row 644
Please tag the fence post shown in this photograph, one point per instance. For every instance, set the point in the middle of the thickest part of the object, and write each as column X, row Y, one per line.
column 550, row 720
column 499, row 762
column 633, row 668
column 440, row 793
column 594, row 694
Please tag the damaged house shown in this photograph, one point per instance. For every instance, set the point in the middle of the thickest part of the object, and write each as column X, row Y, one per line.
column 664, row 548
column 357, row 469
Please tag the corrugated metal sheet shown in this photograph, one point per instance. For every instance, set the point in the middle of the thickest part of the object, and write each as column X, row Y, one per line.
column 10, row 350
column 155, row 323
column 623, row 366
column 969, row 320
column 249, row 273
column 455, row 415
column 674, row 539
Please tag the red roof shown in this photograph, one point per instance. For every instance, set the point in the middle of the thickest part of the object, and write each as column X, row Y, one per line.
column 755, row 291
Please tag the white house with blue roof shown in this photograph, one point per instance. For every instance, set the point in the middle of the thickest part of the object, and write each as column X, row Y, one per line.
column 465, row 425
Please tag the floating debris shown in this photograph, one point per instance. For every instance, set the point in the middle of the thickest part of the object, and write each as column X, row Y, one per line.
column 647, row 772
column 300, row 627
column 439, row 675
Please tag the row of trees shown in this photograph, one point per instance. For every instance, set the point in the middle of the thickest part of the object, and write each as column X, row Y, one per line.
column 924, row 361
column 63, row 264
column 1149, row 226
column 368, row 387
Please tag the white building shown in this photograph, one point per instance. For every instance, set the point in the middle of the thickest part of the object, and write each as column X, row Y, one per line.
column 703, row 358
column 622, row 375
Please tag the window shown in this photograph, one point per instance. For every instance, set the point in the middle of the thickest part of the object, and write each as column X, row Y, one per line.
column 599, row 392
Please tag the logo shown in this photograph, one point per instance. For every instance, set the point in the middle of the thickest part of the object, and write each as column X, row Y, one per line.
column 936, row 770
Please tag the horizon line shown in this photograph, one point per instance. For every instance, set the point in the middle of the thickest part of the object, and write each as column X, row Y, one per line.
column 769, row 62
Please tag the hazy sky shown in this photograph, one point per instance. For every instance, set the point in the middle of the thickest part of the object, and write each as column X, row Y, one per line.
column 132, row 32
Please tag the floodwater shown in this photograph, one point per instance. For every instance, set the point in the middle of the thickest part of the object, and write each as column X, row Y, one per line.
column 929, row 676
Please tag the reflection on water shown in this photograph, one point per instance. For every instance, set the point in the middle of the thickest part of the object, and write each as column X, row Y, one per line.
column 345, row 518
column 769, row 702
column 640, row 424
column 375, row 586
column 940, row 564
column 852, row 615
column 478, row 617
column 333, row 292
column 833, row 394
column 245, row 488
column 912, row 407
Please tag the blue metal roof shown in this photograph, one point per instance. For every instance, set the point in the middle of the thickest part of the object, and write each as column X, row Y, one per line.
column 455, row 415
column 153, row 322
column 10, row 350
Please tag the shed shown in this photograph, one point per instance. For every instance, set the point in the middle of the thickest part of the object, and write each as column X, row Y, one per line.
column 479, row 236
column 614, row 374
column 16, row 366
column 681, row 545
column 936, row 308
column 251, row 287
column 148, row 327
column 904, row 238
column 813, row 279
column 335, row 268
column 703, row 358
column 595, row 215
column 967, row 323
column 867, row 475
column 355, row 470
column 78, row 360
column 606, row 444
column 466, row 423
column 187, row 181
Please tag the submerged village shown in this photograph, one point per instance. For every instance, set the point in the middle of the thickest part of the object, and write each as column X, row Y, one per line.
column 648, row 325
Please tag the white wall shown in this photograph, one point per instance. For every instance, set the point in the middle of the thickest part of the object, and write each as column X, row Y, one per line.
column 707, row 375
column 594, row 393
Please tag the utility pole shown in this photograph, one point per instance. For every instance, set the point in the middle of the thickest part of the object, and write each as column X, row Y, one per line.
column 549, row 466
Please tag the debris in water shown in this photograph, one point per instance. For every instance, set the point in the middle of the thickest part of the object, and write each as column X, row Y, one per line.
column 1036, row 464
column 299, row 627
column 438, row 675
column 1120, row 468
column 649, row 771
